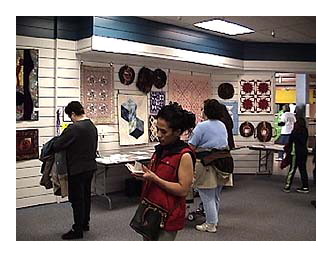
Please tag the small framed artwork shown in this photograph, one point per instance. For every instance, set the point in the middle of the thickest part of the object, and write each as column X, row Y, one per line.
column 27, row 144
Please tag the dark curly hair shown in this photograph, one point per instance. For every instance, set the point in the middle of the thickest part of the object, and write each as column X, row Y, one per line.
column 177, row 118
column 212, row 109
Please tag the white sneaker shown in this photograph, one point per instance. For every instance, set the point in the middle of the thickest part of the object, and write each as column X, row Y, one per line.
column 206, row 227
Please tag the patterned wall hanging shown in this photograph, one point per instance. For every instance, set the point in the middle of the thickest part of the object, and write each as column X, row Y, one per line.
column 153, row 129
column 27, row 144
column 255, row 96
column 157, row 101
column 132, row 119
column 97, row 91
column 190, row 91
column 264, row 131
column 246, row 129
column 27, row 90
column 232, row 108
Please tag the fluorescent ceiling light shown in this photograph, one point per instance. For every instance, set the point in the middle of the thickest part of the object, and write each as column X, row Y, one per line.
column 224, row 27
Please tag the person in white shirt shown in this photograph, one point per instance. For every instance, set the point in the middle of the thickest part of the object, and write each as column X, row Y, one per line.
column 287, row 122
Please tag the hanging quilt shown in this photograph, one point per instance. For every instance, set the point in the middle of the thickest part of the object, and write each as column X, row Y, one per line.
column 27, row 90
column 97, row 90
column 132, row 119
column 157, row 101
column 232, row 108
column 27, row 144
column 153, row 129
column 255, row 96
column 190, row 91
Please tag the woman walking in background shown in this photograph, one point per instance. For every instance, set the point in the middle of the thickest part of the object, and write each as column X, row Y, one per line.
column 298, row 145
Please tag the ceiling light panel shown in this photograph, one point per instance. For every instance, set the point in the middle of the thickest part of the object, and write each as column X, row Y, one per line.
column 224, row 27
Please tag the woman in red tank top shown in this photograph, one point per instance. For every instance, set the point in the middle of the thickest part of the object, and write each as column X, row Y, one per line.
column 168, row 179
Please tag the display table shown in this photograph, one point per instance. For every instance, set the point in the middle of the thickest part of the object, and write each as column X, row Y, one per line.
column 265, row 150
column 120, row 157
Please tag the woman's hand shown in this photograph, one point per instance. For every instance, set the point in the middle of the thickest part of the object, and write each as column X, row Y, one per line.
column 148, row 175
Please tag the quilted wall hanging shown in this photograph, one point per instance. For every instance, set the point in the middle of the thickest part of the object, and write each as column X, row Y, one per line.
column 153, row 129
column 132, row 119
column 190, row 91
column 97, row 93
column 157, row 101
column 27, row 90
column 27, row 144
column 232, row 108
column 255, row 97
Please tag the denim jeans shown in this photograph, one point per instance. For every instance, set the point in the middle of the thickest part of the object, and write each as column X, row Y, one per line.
column 283, row 140
column 211, row 203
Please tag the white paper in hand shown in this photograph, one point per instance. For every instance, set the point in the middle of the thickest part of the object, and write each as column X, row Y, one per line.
column 137, row 168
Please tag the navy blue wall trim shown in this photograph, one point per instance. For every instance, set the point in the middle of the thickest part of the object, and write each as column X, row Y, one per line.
column 280, row 52
column 62, row 27
column 145, row 31
column 151, row 32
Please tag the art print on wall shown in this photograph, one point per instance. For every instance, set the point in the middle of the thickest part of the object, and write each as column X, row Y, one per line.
column 153, row 129
column 190, row 91
column 27, row 90
column 132, row 119
column 255, row 96
column 27, row 144
column 232, row 108
column 97, row 93
column 157, row 101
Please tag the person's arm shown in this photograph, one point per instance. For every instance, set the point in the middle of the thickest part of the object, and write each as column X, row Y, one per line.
column 185, row 177
column 196, row 137
column 282, row 120
column 64, row 140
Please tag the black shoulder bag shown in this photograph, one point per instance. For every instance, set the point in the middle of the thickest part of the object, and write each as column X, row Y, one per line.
column 149, row 219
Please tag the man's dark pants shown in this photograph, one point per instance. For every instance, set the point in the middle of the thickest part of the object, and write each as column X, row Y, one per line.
column 79, row 194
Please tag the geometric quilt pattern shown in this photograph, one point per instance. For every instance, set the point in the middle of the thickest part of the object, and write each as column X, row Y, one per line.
column 232, row 108
column 255, row 96
column 97, row 93
column 190, row 91
column 132, row 119
column 157, row 101
column 153, row 129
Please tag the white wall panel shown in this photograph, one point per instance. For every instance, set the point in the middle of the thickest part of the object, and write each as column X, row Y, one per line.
column 65, row 83
column 66, row 67
column 68, row 73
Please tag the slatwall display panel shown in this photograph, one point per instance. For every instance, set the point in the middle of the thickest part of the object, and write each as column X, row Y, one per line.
column 245, row 160
column 29, row 192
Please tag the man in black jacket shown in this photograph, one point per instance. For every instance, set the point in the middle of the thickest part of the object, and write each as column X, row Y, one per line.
column 80, row 142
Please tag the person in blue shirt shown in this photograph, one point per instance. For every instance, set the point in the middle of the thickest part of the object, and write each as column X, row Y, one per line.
column 210, row 138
